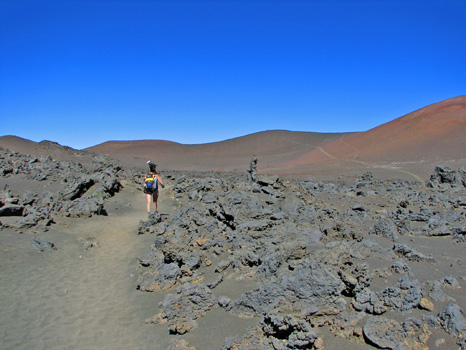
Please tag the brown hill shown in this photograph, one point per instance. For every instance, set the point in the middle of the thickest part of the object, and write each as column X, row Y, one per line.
column 410, row 146
column 270, row 147
column 44, row 148
column 416, row 141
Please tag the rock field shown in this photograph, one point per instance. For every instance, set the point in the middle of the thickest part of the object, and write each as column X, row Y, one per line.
column 370, row 263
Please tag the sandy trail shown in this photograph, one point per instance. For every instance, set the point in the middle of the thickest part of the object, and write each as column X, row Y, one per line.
column 75, row 298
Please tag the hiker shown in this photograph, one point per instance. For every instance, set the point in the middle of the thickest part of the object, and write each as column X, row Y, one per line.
column 151, row 186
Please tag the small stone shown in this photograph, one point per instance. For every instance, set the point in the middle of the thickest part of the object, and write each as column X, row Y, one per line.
column 224, row 301
column 42, row 246
column 180, row 344
column 426, row 304
column 186, row 271
column 89, row 242
column 357, row 331
column 319, row 343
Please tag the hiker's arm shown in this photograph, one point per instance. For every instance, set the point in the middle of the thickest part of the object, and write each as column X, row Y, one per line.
column 160, row 180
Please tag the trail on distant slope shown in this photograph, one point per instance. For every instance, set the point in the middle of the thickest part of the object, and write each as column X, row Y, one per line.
column 312, row 146
column 354, row 159
column 351, row 146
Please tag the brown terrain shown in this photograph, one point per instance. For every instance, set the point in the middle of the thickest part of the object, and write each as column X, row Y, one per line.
column 271, row 147
column 409, row 146
column 413, row 142
column 82, row 294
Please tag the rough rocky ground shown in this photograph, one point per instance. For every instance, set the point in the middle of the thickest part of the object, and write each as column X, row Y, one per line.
column 231, row 261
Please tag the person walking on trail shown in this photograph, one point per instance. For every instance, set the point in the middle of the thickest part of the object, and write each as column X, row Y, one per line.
column 151, row 186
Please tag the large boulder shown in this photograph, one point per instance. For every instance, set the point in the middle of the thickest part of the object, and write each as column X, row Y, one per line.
column 188, row 303
column 446, row 175
column 385, row 333
column 452, row 319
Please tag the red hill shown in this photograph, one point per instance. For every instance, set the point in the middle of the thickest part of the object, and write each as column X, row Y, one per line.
column 435, row 133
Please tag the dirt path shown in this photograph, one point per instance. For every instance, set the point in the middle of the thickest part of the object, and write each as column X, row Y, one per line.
column 75, row 298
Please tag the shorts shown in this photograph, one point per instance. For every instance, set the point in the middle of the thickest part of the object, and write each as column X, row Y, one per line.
column 154, row 193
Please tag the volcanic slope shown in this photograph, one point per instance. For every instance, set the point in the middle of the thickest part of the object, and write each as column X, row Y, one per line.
column 45, row 148
column 430, row 135
column 270, row 147
column 411, row 146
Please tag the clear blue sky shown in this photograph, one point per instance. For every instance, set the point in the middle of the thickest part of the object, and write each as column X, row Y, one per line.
column 82, row 72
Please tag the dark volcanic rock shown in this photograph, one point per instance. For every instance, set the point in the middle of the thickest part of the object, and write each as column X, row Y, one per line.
column 12, row 210
column 368, row 301
column 400, row 266
column 448, row 176
column 402, row 300
column 76, row 188
column 84, row 208
column 385, row 228
column 182, row 308
column 385, row 333
column 452, row 319
column 154, row 225
column 309, row 288
column 252, row 171
column 83, row 192
column 404, row 251
column 42, row 246
column 287, row 332
column 164, row 277
column 315, row 254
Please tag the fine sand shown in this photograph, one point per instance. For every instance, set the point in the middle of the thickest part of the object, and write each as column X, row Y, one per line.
column 73, row 298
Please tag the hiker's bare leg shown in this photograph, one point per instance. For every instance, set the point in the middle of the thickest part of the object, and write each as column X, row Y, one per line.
column 155, row 196
column 148, row 200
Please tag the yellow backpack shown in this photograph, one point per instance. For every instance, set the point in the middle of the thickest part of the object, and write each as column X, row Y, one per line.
column 150, row 182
